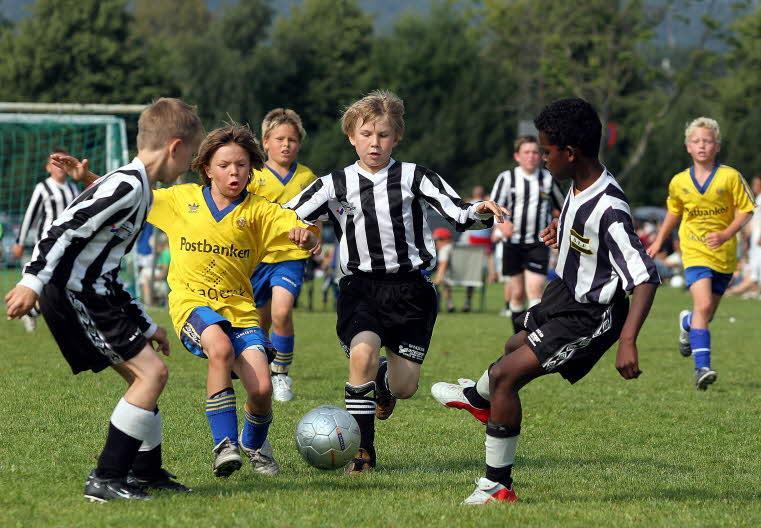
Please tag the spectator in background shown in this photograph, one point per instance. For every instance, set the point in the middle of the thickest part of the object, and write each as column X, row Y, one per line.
column 751, row 276
column 478, row 238
column 442, row 237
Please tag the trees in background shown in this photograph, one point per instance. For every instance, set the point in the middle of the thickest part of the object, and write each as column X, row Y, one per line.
column 468, row 72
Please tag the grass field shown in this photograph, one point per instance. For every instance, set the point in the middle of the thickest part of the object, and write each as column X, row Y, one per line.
column 649, row 452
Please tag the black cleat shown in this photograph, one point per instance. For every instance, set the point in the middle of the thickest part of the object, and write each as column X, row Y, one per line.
column 163, row 481
column 363, row 462
column 103, row 490
column 384, row 400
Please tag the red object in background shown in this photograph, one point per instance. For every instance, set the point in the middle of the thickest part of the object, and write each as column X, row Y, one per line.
column 612, row 135
column 442, row 233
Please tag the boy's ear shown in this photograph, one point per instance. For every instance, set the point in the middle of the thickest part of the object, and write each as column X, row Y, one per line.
column 174, row 144
column 571, row 152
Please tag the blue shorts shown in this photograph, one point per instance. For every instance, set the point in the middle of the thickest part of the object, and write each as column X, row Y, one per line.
column 288, row 275
column 719, row 281
column 242, row 338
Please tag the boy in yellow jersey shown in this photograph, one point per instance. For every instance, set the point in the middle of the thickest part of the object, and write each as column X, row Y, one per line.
column 218, row 233
column 277, row 280
column 713, row 202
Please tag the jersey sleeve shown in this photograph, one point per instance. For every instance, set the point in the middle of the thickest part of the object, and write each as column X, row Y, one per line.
column 674, row 204
column 163, row 210
column 272, row 224
column 312, row 203
column 742, row 197
column 439, row 194
column 627, row 254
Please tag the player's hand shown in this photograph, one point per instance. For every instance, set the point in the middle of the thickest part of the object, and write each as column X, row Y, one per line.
column 159, row 341
column 490, row 206
column 549, row 234
column 19, row 301
column 303, row 238
column 653, row 249
column 714, row 240
column 17, row 250
column 627, row 363
column 507, row 228
column 71, row 165
column 316, row 250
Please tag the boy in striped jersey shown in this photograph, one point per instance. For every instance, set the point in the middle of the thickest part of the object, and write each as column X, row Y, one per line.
column 74, row 273
column 277, row 280
column 377, row 209
column 582, row 313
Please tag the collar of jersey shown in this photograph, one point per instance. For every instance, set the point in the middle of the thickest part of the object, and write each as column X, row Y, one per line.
column 524, row 174
column 593, row 189
column 285, row 179
column 369, row 174
column 703, row 188
column 216, row 213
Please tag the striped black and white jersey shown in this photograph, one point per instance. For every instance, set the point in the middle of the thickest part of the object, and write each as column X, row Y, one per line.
column 82, row 249
column 380, row 219
column 530, row 200
column 49, row 199
column 599, row 253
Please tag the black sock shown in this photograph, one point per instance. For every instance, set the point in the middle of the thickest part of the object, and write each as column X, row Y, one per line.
column 518, row 320
column 118, row 454
column 147, row 465
column 501, row 475
column 475, row 399
column 380, row 379
column 360, row 402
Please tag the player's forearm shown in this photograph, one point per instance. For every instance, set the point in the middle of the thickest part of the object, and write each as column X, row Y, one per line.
column 89, row 177
column 642, row 300
column 740, row 220
column 669, row 223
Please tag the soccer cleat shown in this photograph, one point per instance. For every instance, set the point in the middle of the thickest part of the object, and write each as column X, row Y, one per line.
column 29, row 322
column 487, row 491
column 362, row 462
column 281, row 387
column 163, row 481
column 384, row 400
column 227, row 460
column 262, row 459
column 103, row 490
column 704, row 377
column 451, row 395
column 684, row 336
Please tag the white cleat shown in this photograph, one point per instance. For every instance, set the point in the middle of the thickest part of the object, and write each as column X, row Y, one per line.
column 281, row 387
column 487, row 491
column 262, row 459
column 451, row 395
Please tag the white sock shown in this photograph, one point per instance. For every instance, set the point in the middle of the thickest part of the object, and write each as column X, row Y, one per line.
column 154, row 438
column 482, row 385
column 533, row 302
column 517, row 308
column 132, row 420
column 500, row 452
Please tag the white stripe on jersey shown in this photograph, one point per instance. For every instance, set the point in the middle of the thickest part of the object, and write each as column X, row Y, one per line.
column 599, row 252
column 49, row 199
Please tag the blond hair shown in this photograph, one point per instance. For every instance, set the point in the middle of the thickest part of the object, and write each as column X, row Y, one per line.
column 702, row 122
column 282, row 116
column 233, row 133
column 166, row 119
column 375, row 105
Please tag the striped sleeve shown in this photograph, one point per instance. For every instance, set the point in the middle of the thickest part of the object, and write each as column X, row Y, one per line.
column 34, row 213
column 501, row 191
column 627, row 254
column 434, row 190
column 311, row 204
column 111, row 202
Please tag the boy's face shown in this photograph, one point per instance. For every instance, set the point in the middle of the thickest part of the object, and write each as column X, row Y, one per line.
column 374, row 141
column 282, row 144
column 559, row 161
column 229, row 169
column 702, row 145
column 57, row 173
column 528, row 157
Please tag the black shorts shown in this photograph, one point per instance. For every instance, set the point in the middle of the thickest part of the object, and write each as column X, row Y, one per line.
column 399, row 308
column 569, row 337
column 93, row 331
column 519, row 257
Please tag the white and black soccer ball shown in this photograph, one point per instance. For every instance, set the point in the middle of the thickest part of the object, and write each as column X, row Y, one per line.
column 327, row 437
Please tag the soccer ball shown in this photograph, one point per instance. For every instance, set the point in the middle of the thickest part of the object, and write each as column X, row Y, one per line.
column 327, row 437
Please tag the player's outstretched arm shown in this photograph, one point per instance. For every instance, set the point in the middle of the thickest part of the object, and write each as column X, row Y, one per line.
column 669, row 223
column 627, row 359
column 78, row 170
column 490, row 206
column 19, row 301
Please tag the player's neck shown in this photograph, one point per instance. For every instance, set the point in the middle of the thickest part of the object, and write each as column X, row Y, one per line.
column 155, row 164
column 281, row 170
column 702, row 170
column 220, row 200
column 587, row 173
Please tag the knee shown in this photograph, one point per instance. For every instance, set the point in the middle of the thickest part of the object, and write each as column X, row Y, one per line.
column 158, row 375
column 221, row 354
column 281, row 317
column 262, row 393
column 405, row 391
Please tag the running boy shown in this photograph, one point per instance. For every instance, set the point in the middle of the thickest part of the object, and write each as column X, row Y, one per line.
column 377, row 206
column 713, row 202
column 218, row 233
column 583, row 312
column 278, row 279
column 74, row 273
column 532, row 198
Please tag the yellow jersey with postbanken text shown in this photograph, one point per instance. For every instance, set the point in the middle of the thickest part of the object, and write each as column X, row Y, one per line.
column 214, row 252
column 705, row 209
column 266, row 182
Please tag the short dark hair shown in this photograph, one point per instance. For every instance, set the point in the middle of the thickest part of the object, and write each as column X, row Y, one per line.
column 232, row 133
column 571, row 122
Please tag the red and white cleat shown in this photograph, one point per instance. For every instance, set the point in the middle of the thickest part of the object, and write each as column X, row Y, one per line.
column 451, row 395
column 487, row 491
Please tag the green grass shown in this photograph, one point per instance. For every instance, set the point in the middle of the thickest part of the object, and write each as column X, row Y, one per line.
column 649, row 452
